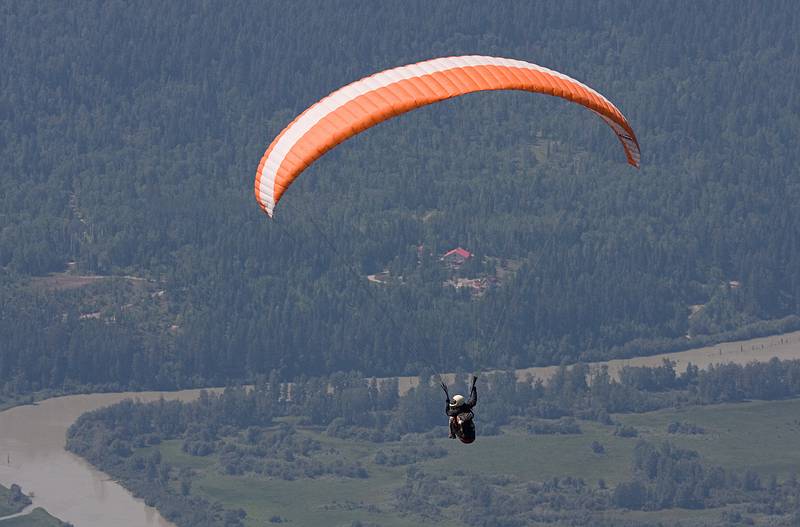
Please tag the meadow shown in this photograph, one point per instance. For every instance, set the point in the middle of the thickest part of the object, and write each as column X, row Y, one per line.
column 739, row 437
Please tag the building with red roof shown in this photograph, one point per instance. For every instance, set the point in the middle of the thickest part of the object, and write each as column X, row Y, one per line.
column 456, row 257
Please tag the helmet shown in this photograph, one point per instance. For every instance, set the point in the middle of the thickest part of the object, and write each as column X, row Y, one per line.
column 458, row 400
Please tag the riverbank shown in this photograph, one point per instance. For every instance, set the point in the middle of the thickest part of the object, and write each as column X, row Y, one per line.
column 781, row 345
column 17, row 510
column 785, row 346
column 32, row 517
column 12, row 500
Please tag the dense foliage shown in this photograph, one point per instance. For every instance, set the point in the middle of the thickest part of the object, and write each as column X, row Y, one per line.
column 665, row 477
column 130, row 133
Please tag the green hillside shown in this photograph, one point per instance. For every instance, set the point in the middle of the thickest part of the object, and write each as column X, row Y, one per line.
column 130, row 133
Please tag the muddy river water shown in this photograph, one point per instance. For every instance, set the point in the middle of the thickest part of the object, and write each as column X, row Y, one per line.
column 32, row 438
column 32, row 455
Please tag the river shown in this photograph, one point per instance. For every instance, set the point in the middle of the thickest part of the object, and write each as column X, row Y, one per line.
column 32, row 438
column 32, row 455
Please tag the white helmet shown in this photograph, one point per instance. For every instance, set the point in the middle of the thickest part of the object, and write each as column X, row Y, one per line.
column 458, row 400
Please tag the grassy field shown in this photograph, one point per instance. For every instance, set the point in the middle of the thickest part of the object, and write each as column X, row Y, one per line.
column 759, row 435
column 321, row 501
column 37, row 518
column 737, row 436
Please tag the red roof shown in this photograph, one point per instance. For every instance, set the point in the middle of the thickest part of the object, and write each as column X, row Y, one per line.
column 465, row 254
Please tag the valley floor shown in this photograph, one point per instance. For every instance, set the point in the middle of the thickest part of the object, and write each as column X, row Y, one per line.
column 758, row 436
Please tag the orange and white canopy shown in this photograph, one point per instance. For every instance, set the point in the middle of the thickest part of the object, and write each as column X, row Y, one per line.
column 365, row 103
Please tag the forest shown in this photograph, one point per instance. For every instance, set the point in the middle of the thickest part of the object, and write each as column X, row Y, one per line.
column 133, row 254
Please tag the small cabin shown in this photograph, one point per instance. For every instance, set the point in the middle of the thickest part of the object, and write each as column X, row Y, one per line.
column 455, row 258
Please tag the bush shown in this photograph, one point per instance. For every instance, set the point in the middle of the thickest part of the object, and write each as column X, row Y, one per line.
column 630, row 495
column 626, row 431
column 677, row 427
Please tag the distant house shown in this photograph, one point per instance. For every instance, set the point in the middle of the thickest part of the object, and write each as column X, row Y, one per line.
column 380, row 278
column 455, row 258
column 476, row 286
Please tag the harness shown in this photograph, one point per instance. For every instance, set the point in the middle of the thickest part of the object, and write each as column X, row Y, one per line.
column 466, row 427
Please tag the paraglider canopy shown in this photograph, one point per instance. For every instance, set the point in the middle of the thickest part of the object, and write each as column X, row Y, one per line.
column 365, row 103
